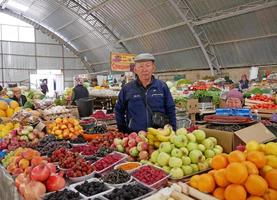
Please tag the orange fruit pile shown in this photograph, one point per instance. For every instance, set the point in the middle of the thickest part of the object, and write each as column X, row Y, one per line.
column 239, row 176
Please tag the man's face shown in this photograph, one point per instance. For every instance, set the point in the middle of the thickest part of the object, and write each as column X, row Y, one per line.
column 144, row 70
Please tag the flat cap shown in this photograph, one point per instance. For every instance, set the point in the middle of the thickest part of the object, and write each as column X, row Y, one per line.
column 144, row 57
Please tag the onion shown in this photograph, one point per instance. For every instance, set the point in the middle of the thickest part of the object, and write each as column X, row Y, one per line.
column 40, row 173
column 55, row 183
column 34, row 190
column 51, row 167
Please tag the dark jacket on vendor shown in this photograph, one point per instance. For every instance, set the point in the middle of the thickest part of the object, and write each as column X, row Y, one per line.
column 131, row 112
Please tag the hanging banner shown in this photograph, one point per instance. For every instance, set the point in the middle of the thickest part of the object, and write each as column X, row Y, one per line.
column 123, row 62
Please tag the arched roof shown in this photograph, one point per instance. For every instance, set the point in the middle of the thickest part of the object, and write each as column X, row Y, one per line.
column 182, row 34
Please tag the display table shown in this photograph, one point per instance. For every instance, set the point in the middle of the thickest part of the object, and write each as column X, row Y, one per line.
column 8, row 190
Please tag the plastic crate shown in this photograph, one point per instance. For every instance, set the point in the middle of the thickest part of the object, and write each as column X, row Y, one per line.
column 224, row 111
column 107, row 187
column 242, row 112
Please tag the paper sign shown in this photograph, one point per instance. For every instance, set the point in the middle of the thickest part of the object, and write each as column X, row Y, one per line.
column 40, row 126
column 122, row 62
column 253, row 73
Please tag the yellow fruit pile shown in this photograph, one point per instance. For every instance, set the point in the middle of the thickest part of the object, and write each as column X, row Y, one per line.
column 240, row 175
column 7, row 110
column 156, row 136
column 65, row 128
column 5, row 128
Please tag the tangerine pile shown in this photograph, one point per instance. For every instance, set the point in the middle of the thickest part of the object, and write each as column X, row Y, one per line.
column 64, row 128
column 239, row 176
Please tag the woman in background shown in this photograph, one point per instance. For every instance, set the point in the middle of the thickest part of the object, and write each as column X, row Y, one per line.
column 79, row 91
column 244, row 82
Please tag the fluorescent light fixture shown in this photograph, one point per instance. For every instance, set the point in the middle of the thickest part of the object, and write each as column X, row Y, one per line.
column 16, row 5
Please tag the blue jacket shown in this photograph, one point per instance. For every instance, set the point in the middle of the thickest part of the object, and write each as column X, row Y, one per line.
column 130, row 110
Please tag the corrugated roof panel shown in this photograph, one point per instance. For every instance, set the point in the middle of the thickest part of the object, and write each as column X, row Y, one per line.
column 254, row 24
column 247, row 53
column 192, row 59
column 142, row 18
column 204, row 7
column 176, row 38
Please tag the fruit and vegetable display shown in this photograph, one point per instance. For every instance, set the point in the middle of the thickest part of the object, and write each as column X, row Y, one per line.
column 100, row 115
column 78, row 140
column 7, row 109
column 87, row 158
column 265, row 98
column 64, row 195
column 265, row 106
column 116, row 176
column 184, row 153
column 241, row 175
column 135, row 145
column 227, row 119
column 6, row 128
column 80, row 168
column 107, row 161
column 65, row 128
column 130, row 191
column 91, row 188
column 150, row 175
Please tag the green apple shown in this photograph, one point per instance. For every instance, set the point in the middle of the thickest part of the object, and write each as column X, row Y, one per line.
column 175, row 162
column 186, row 160
column 163, row 159
column 187, row 169
column 177, row 173
column 176, row 153
column 165, row 147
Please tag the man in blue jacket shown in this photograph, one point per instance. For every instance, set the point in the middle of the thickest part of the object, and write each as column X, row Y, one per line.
column 138, row 99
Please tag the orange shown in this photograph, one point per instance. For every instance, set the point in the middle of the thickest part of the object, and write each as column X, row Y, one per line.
column 206, row 183
column 257, row 157
column 212, row 172
column 236, row 156
column 220, row 178
column 251, row 167
column 256, row 185
column 219, row 193
column 193, row 182
column 254, row 198
column 219, row 162
column 271, row 178
column 235, row 192
column 236, row 173
column 270, row 194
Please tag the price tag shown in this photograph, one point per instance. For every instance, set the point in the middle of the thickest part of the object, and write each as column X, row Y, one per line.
column 40, row 126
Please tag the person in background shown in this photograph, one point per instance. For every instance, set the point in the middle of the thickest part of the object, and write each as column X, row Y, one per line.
column 79, row 91
column 18, row 97
column 140, row 98
column 123, row 80
column 244, row 82
column 234, row 98
column 44, row 87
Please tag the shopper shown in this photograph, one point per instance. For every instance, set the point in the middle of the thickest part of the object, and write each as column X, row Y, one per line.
column 146, row 101
column 44, row 87
column 244, row 82
column 17, row 96
column 79, row 91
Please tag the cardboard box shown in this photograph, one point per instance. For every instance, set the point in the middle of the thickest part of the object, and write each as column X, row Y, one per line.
column 229, row 140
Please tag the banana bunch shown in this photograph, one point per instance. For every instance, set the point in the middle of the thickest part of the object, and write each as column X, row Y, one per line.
column 156, row 136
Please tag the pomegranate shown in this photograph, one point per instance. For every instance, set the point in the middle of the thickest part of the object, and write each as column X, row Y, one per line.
column 55, row 182
column 34, row 190
column 51, row 167
column 40, row 173
column 19, row 179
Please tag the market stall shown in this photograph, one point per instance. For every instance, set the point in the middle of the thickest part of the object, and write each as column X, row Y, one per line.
column 51, row 153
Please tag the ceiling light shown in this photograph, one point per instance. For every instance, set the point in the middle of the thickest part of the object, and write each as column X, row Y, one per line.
column 18, row 6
